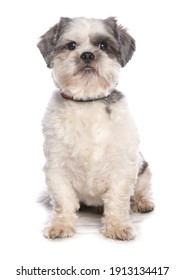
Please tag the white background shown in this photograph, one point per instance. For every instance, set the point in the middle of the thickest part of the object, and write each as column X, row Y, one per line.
column 153, row 82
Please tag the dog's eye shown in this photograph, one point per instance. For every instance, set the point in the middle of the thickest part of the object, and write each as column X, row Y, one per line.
column 103, row 45
column 72, row 45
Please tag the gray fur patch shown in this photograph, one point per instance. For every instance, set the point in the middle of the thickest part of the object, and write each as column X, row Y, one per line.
column 113, row 45
column 143, row 168
column 108, row 110
column 125, row 41
column 114, row 97
column 48, row 41
column 127, row 46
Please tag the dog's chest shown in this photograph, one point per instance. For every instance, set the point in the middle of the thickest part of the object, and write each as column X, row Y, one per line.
column 87, row 140
column 87, row 132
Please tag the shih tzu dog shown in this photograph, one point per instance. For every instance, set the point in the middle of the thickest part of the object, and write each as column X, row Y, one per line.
column 91, row 142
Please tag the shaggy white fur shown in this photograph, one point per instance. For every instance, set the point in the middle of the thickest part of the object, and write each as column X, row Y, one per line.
column 91, row 147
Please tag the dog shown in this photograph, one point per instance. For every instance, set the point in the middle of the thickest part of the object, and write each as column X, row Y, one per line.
column 91, row 141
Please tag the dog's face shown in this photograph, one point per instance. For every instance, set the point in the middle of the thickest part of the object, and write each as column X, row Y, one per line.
column 86, row 54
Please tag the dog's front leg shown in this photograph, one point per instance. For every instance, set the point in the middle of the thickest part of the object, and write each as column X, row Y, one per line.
column 117, row 224
column 65, row 202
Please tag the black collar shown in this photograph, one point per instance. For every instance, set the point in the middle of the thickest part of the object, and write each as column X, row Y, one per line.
column 66, row 96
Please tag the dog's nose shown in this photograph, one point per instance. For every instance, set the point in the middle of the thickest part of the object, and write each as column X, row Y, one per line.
column 87, row 57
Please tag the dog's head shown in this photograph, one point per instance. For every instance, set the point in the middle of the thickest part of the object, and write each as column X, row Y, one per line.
column 86, row 54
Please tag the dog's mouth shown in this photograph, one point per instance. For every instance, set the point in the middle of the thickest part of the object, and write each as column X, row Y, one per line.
column 85, row 70
column 88, row 69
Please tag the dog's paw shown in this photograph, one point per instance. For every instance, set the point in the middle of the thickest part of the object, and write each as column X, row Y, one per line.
column 120, row 232
column 58, row 231
column 142, row 205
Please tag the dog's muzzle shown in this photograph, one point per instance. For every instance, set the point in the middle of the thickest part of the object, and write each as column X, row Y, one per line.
column 87, row 57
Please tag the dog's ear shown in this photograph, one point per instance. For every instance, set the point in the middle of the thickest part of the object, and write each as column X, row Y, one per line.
column 127, row 45
column 49, row 40
column 126, row 42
